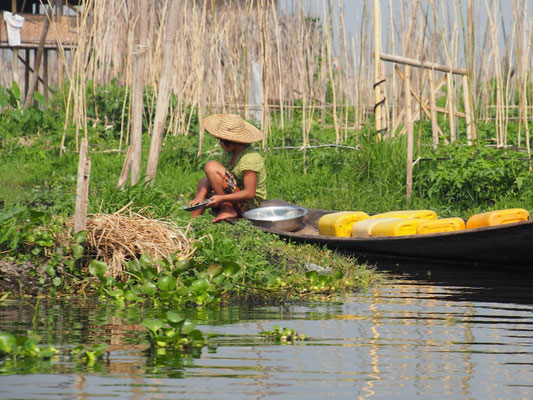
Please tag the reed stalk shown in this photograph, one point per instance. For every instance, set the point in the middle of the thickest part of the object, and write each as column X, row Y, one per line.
column 217, row 44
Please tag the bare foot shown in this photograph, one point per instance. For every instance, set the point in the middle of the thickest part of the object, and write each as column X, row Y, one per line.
column 226, row 212
column 197, row 213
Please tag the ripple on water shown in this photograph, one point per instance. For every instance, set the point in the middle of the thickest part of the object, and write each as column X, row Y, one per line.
column 438, row 336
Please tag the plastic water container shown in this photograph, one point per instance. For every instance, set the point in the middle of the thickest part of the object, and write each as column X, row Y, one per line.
column 364, row 228
column 408, row 214
column 441, row 225
column 498, row 217
column 340, row 223
column 398, row 227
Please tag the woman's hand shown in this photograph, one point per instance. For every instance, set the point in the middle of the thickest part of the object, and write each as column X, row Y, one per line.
column 196, row 200
column 215, row 200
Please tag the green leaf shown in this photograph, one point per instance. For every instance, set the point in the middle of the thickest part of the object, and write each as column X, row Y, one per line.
column 214, row 270
column 166, row 283
column 39, row 98
column 146, row 261
column 152, row 324
column 7, row 342
column 312, row 275
column 117, row 293
column 182, row 264
column 15, row 90
column 195, row 334
column 231, row 270
column 50, row 270
column 77, row 251
column 187, row 326
column 174, row 317
column 56, row 281
column 80, row 237
column 130, row 295
column 200, row 285
column 97, row 268
column 149, row 288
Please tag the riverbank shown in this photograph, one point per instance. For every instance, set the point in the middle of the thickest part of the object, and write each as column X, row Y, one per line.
column 139, row 261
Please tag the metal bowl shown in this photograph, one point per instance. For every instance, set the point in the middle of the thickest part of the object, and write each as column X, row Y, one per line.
column 283, row 218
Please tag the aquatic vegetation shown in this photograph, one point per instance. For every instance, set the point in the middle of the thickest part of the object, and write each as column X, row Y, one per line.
column 174, row 332
column 284, row 335
column 24, row 346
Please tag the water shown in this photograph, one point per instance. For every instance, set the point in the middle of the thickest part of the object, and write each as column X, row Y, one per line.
column 430, row 333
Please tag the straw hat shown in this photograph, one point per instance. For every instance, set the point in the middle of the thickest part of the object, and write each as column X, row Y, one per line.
column 233, row 128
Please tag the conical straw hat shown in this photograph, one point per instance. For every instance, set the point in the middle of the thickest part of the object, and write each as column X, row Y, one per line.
column 233, row 128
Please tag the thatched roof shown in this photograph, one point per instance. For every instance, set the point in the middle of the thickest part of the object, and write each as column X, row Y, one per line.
column 62, row 28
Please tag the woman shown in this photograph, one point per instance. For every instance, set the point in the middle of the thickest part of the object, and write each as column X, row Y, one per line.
column 238, row 182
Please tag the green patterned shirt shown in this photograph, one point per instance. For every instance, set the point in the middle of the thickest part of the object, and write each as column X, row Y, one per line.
column 248, row 160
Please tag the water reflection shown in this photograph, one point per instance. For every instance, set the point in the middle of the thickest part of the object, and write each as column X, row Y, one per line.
column 430, row 332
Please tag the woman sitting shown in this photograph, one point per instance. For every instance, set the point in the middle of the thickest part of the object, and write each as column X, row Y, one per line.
column 237, row 182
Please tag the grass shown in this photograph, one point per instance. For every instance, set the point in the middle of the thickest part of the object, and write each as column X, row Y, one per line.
column 457, row 181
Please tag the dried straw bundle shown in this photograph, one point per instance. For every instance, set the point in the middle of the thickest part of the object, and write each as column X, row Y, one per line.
column 117, row 238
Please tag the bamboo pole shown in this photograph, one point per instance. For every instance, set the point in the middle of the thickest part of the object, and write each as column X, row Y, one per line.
column 164, row 91
column 332, row 82
column 379, row 95
column 409, row 125
column 434, row 123
column 468, row 111
column 526, row 43
column 280, row 74
column 82, row 188
column 451, row 105
column 137, row 88
column 422, row 64
column 395, row 99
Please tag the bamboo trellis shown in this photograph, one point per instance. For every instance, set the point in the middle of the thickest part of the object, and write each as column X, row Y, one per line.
column 430, row 102
column 217, row 42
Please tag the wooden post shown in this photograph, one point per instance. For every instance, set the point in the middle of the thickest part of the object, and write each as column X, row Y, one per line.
column 468, row 111
column 15, row 50
column 59, row 61
column 380, row 109
column 137, row 86
column 395, row 100
column 82, row 188
column 451, row 105
column 37, row 61
column 409, row 125
column 164, row 91
column 125, row 168
column 45, row 74
column 433, row 112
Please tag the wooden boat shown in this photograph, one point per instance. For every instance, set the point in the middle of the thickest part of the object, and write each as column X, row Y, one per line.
column 509, row 245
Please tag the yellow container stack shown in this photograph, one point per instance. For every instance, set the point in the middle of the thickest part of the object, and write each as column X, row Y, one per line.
column 398, row 227
column 364, row 228
column 441, row 225
column 498, row 217
column 408, row 214
column 340, row 223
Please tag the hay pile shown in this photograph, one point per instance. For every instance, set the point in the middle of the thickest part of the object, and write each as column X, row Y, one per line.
column 117, row 238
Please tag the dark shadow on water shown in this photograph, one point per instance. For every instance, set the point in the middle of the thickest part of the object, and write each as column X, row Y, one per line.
column 466, row 282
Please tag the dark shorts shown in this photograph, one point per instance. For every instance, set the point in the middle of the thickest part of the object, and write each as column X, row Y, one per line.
column 230, row 186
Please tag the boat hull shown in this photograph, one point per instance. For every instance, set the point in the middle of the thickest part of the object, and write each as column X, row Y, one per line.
column 506, row 245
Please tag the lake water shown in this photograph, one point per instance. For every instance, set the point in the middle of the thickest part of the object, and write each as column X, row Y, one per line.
column 431, row 332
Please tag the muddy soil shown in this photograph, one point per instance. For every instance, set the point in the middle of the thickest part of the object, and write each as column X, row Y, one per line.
column 22, row 279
